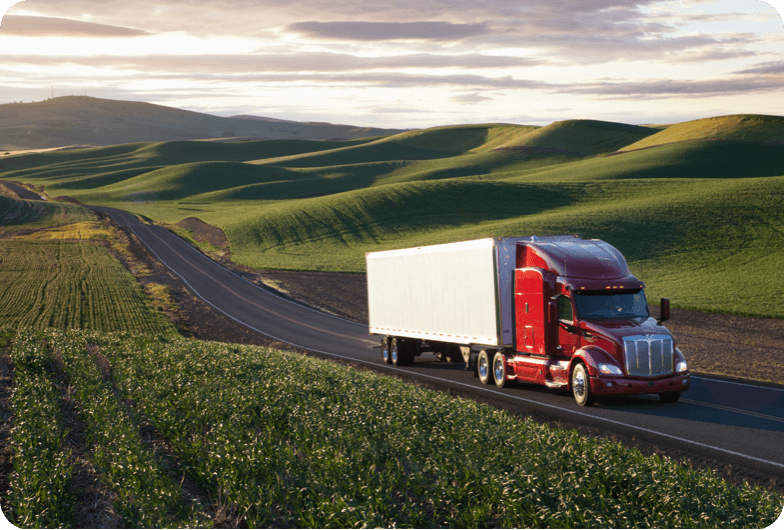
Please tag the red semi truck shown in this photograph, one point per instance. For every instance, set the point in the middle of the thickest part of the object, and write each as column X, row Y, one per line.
column 557, row 311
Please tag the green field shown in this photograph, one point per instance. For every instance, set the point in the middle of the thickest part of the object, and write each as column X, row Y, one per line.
column 696, row 207
column 71, row 285
column 65, row 284
column 262, row 438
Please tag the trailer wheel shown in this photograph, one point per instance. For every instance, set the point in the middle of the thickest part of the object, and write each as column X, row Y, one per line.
column 499, row 370
column 669, row 397
column 581, row 386
column 400, row 352
column 483, row 367
column 385, row 350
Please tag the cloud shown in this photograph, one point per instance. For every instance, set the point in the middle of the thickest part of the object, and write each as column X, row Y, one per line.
column 667, row 88
column 470, row 99
column 567, row 31
column 374, row 31
column 274, row 63
column 772, row 67
column 26, row 26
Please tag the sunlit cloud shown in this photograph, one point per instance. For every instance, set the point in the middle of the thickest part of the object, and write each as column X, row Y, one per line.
column 60, row 27
column 385, row 62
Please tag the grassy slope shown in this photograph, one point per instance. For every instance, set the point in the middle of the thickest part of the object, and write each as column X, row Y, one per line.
column 699, row 221
column 588, row 137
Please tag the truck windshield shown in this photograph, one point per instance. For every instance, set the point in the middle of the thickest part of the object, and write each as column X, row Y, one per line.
column 601, row 305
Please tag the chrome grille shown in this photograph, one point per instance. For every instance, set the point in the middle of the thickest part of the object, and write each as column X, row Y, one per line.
column 648, row 355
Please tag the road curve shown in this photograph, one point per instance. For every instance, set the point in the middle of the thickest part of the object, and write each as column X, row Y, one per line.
column 733, row 422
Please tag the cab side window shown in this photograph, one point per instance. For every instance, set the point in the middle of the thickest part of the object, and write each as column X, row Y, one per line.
column 565, row 311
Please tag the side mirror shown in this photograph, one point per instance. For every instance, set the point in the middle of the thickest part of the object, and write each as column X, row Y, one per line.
column 665, row 310
column 552, row 312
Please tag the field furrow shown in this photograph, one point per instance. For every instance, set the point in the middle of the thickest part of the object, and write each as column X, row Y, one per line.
column 71, row 285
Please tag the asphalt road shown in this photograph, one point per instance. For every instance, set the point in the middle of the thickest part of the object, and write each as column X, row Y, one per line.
column 733, row 422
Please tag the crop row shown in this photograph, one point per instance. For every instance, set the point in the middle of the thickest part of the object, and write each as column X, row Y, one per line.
column 290, row 441
column 145, row 495
column 40, row 484
column 277, row 439
column 71, row 285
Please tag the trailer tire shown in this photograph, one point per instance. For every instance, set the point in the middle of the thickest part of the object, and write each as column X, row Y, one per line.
column 401, row 352
column 500, row 370
column 669, row 397
column 581, row 386
column 484, row 367
column 385, row 350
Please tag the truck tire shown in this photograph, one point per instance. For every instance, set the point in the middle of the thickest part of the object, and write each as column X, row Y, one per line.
column 500, row 370
column 385, row 350
column 484, row 367
column 669, row 397
column 401, row 351
column 581, row 386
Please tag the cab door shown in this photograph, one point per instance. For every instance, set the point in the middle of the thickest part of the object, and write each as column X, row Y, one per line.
column 568, row 330
column 530, row 312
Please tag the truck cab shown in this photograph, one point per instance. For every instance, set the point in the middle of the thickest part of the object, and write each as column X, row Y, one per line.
column 582, row 322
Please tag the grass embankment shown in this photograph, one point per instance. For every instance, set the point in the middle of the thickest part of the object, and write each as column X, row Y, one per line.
column 269, row 438
column 699, row 221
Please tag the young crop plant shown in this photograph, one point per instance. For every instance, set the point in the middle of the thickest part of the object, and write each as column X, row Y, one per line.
column 40, row 491
column 146, row 495
column 71, row 286
column 286, row 440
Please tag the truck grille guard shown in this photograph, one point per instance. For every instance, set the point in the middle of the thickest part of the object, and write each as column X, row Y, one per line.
column 648, row 355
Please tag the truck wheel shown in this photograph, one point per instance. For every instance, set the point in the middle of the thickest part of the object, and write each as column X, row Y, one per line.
column 385, row 350
column 669, row 397
column 581, row 386
column 483, row 367
column 400, row 352
column 499, row 370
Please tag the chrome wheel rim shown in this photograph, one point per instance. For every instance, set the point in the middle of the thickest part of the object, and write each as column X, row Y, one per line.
column 483, row 367
column 385, row 351
column 499, row 369
column 578, row 383
column 393, row 352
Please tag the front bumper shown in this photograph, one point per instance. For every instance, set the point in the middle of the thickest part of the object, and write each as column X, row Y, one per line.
column 615, row 386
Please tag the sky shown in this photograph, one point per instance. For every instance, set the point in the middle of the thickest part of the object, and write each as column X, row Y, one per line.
column 404, row 63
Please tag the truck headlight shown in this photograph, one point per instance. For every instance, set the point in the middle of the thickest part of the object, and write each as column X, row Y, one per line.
column 681, row 367
column 606, row 368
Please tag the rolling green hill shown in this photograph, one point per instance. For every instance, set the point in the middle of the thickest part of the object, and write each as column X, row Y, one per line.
column 700, row 221
column 82, row 120
column 586, row 137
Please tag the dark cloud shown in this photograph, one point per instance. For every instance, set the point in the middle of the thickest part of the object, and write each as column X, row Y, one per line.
column 666, row 88
column 60, row 27
column 470, row 99
column 772, row 67
column 372, row 31
column 566, row 31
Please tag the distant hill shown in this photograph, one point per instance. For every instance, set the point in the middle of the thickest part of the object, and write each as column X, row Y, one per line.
column 87, row 121
column 258, row 118
column 750, row 128
column 583, row 137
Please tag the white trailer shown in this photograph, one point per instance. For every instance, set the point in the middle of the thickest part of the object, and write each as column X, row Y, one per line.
column 455, row 294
